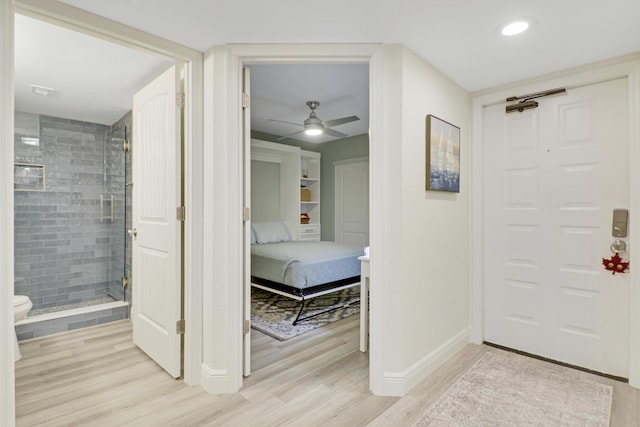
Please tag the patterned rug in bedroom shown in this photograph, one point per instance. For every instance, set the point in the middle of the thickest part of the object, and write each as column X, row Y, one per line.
column 273, row 314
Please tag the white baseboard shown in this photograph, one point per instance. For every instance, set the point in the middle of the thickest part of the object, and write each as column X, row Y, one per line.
column 216, row 381
column 399, row 383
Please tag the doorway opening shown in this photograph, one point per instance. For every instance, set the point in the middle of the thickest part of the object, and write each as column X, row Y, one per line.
column 73, row 123
column 305, row 201
column 79, row 125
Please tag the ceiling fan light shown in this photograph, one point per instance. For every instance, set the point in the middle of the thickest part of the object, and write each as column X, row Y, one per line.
column 313, row 129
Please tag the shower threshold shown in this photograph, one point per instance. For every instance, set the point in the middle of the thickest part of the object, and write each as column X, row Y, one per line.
column 72, row 310
column 75, row 318
column 38, row 312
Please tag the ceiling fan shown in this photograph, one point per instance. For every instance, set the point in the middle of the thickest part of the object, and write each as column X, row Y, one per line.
column 314, row 125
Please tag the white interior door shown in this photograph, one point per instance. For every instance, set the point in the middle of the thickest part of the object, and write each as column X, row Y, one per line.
column 246, row 329
column 553, row 175
column 352, row 203
column 156, row 248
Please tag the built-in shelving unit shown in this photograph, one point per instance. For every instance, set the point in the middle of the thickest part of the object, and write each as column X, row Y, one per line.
column 310, row 182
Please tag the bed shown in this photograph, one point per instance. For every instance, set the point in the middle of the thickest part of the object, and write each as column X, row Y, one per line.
column 300, row 269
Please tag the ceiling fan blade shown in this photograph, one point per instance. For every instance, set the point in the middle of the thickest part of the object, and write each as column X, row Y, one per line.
column 289, row 136
column 334, row 133
column 290, row 123
column 336, row 122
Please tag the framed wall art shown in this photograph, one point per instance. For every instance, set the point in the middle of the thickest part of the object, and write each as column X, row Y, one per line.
column 443, row 155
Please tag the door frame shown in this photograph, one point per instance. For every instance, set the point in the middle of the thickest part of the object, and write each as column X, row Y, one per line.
column 629, row 68
column 222, row 345
column 191, row 62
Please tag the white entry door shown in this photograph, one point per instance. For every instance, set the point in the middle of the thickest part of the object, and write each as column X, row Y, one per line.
column 553, row 175
column 352, row 203
column 156, row 239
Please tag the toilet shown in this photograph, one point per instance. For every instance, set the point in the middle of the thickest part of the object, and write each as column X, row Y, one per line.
column 21, row 306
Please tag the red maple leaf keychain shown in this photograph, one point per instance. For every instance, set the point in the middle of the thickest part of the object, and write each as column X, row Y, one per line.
column 615, row 264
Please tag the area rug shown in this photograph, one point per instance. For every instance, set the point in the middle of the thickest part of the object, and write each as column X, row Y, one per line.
column 273, row 314
column 514, row 390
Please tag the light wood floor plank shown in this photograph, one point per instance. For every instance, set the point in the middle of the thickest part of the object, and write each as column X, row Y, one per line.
column 97, row 377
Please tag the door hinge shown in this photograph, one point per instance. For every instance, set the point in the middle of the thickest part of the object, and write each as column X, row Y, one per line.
column 246, row 214
column 180, row 213
column 180, row 100
column 125, row 281
column 246, row 327
column 125, row 145
column 246, row 100
column 180, row 327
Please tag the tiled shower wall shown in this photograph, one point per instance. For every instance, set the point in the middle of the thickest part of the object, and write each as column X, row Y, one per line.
column 63, row 253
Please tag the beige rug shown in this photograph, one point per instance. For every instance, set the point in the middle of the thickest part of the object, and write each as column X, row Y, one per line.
column 513, row 390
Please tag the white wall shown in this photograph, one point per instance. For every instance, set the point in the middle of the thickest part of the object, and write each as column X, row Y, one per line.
column 7, row 396
column 419, row 240
column 426, row 289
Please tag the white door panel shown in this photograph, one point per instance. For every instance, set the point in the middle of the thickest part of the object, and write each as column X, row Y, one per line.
column 553, row 176
column 156, row 248
column 352, row 204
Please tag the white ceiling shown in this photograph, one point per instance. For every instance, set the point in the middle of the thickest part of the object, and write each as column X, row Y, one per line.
column 458, row 37
column 94, row 80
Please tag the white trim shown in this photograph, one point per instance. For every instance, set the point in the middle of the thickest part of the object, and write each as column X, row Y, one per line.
column 399, row 383
column 476, row 256
column 377, row 205
column 80, row 20
column 572, row 78
column 7, row 374
column 193, row 191
column 351, row 161
column 71, row 312
column 215, row 380
column 223, row 261
column 634, row 234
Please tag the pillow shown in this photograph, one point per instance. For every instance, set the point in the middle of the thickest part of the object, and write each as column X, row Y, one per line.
column 271, row 232
column 253, row 236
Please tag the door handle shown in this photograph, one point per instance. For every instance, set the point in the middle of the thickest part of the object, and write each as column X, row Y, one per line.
column 132, row 233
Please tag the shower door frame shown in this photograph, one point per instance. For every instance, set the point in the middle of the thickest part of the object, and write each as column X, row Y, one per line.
column 191, row 63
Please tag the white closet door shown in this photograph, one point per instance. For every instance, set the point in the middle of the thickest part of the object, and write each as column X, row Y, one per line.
column 352, row 203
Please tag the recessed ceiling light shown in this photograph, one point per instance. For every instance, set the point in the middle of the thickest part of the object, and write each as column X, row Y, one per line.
column 513, row 28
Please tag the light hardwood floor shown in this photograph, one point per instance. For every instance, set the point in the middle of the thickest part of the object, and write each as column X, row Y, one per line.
column 97, row 377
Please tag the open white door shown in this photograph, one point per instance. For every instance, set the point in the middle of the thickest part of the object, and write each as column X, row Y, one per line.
column 155, row 233
column 246, row 118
